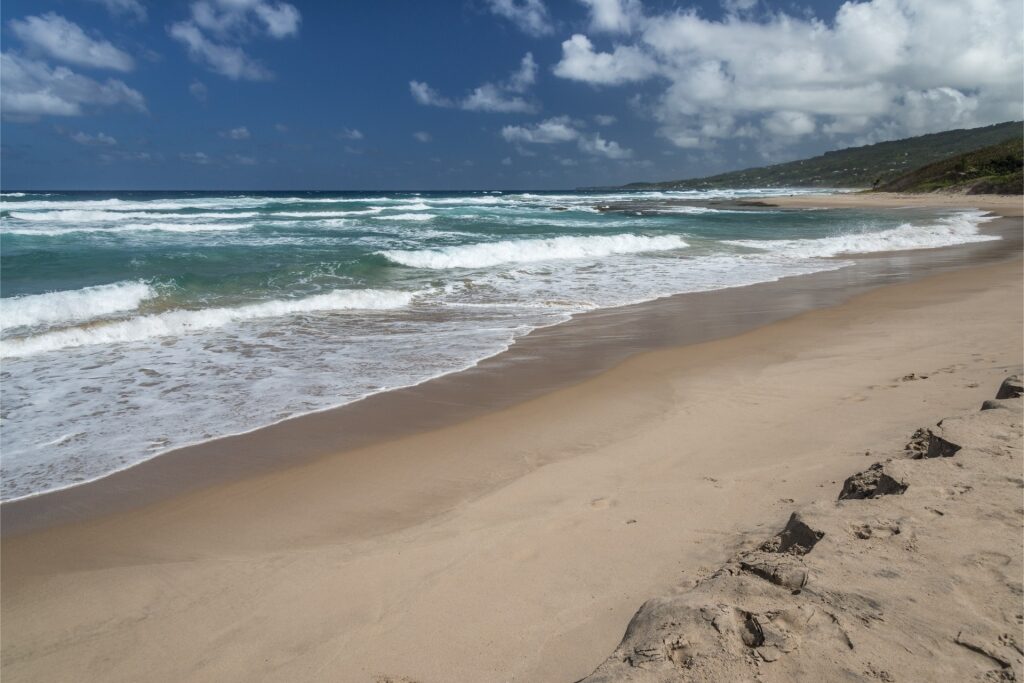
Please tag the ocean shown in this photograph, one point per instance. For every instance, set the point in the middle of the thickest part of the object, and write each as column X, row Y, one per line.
column 132, row 323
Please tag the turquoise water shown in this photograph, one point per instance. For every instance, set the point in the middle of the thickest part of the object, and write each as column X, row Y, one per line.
column 133, row 323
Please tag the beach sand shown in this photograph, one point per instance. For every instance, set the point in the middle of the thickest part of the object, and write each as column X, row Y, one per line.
column 1005, row 205
column 516, row 542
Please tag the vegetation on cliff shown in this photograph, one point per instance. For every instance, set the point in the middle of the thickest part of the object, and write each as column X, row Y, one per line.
column 867, row 166
column 991, row 170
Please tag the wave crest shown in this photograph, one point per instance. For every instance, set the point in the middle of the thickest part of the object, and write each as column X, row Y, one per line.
column 961, row 228
column 528, row 251
column 74, row 305
column 179, row 322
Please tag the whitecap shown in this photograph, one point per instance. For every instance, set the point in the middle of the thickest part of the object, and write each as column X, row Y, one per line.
column 179, row 322
column 527, row 251
column 961, row 228
column 73, row 305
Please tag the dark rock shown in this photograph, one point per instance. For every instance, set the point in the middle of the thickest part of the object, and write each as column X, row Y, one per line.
column 872, row 483
column 796, row 538
column 1012, row 387
column 1002, row 404
column 925, row 443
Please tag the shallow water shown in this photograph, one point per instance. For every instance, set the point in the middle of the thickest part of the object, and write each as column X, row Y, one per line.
column 133, row 323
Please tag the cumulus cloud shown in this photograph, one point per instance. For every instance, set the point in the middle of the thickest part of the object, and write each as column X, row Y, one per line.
column 54, row 36
column 240, row 133
column 878, row 69
column 226, row 60
column 789, row 123
column 614, row 16
column 129, row 8
column 504, row 97
column 489, row 97
column 230, row 18
column 32, row 88
column 231, row 22
column 604, row 119
column 529, row 16
column 561, row 129
column 624, row 64
column 83, row 138
column 427, row 96
column 553, row 130
column 422, row 136
column 598, row 146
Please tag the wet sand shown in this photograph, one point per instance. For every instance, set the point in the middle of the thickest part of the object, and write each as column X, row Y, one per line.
column 505, row 522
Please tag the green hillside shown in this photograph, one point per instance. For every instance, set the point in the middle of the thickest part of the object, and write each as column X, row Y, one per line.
column 856, row 166
column 991, row 170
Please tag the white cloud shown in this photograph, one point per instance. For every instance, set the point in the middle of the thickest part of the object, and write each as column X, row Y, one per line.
column 554, row 130
column 32, row 88
column 562, row 129
column 239, row 18
column 232, row 22
column 349, row 134
column 878, row 69
column 525, row 76
column 422, row 136
column 489, row 97
column 624, row 64
column 503, row 97
column 280, row 128
column 242, row 160
column 200, row 158
column 507, row 161
column 198, row 90
column 118, row 8
column 427, row 96
column 789, row 124
column 240, row 133
column 604, row 119
column 529, row 16
column 598, row 146
column 55, row 36
column 614, row 16
column 83, row 138
column 226, row 60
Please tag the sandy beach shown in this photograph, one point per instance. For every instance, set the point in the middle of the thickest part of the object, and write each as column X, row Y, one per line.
column 1001, row 204
column 510, row 531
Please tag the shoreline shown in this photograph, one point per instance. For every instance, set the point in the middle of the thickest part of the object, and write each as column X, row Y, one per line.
column 514, row 542
column 358, row 423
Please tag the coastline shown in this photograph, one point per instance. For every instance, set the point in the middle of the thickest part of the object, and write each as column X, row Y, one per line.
column 354, row 558
column 544, row 360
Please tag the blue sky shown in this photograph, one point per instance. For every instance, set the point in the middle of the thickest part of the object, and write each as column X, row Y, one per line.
column 480, row 94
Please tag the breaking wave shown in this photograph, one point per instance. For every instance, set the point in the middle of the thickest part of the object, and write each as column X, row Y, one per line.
column 528, row 251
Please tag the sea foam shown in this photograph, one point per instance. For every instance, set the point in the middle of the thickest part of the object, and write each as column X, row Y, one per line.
column 961, row 228
column 94, row 216
column 178, row 322
column 74, row 305
column 131, row 227
column 528, row 251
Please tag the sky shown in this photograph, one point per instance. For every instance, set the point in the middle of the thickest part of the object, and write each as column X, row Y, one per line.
column 480, row 94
